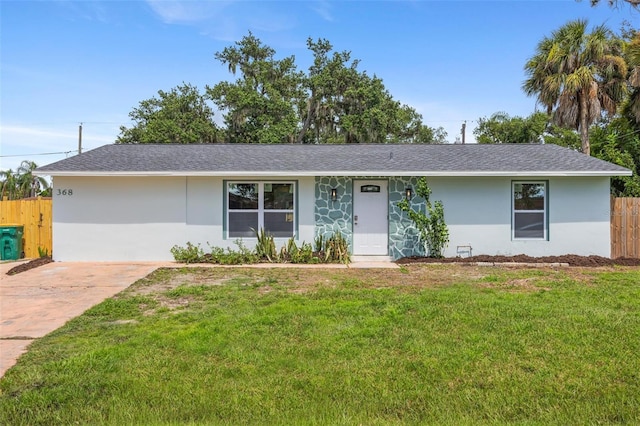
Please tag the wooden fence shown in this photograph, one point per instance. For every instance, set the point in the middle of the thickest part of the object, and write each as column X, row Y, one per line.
column 34, row 214
column 625, row 227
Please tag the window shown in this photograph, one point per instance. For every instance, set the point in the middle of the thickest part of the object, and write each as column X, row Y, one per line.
column 260, row 205
column 370, row 188
column 529, row 210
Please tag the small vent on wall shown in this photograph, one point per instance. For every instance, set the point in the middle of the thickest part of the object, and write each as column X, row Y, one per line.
column 464, row 251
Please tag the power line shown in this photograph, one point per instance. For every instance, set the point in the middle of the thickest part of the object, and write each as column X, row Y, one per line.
column 42, row 153
column 629, row 134
column 40, row 123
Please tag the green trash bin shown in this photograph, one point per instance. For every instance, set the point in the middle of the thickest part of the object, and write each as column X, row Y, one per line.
column 11, row 242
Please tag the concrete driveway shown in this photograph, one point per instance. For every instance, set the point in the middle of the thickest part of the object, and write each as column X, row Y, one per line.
column 38, row 301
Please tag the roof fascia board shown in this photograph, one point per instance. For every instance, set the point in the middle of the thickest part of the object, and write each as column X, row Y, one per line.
column 337, row 173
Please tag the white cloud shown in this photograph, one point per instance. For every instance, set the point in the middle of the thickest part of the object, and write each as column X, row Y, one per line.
column 89, row 10
column 271, row 23
column 225, row 20
column 207, row 17
column 323, row 8
column 172, row 12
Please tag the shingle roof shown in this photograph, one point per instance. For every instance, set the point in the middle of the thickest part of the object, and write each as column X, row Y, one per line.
column 336, row 160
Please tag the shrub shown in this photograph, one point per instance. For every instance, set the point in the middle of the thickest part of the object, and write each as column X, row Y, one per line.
column 336, row 249
column 266, row 246
column 319, row 243
column 242, row 255
column 232, row 257
column 332, row 250
column 294, row 254
column 189, row 254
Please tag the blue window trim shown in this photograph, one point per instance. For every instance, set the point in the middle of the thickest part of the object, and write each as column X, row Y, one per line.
column 545, row 211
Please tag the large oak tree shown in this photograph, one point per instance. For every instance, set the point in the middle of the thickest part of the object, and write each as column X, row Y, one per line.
column 259, row 107
column 271, row 101
column 181, row 115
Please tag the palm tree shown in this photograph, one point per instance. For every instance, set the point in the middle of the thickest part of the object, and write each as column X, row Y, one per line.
column 577, row 76
column 22, row 183
column 9, row 185
column 30, row 185
column 633, row 60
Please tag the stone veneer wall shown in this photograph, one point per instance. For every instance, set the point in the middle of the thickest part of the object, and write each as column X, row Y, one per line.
column 336, row 216
column 403, row 236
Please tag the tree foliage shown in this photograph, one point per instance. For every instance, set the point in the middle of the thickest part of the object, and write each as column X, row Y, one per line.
column 634, row 3
column 536, row 128
column 621, row 186
column 343, row 104
column 22, row 183
column 617, row 142
column 272, row 102
column 502, row 128
column 577, row 76
column 260, row 105
column 181, row 115
column 631, row 108
column 561, row 136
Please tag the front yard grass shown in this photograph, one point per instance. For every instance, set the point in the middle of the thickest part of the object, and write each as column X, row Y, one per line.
column 428, row 344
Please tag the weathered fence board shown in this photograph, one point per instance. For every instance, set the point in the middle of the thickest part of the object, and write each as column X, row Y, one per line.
column 625, row 227
column 34, row 214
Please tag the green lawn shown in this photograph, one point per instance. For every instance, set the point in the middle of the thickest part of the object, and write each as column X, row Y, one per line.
column 421, row 345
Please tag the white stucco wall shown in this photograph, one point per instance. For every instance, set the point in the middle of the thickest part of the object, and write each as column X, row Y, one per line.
column 141, row 218
column 478, row 213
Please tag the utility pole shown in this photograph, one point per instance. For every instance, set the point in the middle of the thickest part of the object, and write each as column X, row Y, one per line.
column 464, row 127
column 80, row 139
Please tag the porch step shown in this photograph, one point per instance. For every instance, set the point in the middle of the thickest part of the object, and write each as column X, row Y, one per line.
column 371, row 259
column 372, row 262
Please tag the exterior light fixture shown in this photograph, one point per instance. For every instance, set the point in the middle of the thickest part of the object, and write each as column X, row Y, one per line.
column 408, row 193
column 334, row 194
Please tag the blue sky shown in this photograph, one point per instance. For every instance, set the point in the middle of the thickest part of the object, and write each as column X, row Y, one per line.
column 63, row 63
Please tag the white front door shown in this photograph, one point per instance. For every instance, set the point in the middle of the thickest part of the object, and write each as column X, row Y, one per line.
column 370, row 216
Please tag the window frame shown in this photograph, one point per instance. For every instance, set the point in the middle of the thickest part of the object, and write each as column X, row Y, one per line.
column 261, row 210
column 544, row 210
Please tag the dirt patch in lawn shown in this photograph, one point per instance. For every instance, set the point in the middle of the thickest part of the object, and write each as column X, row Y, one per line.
column 570, row 259
column 516, row 278
column 193, row 277
column 30, row 265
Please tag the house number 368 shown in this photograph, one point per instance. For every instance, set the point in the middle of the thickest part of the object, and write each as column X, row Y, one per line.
column 65, row 192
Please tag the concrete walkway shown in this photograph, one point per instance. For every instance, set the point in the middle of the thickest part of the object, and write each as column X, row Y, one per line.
column 36, row 302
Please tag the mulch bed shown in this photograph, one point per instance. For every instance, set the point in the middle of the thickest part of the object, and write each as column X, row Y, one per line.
column 30, row 265
column 571, row 259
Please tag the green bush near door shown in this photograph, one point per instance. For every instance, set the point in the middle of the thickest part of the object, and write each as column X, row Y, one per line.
column 11, row 242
